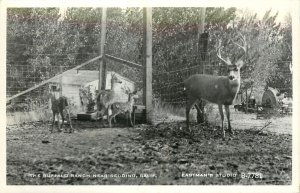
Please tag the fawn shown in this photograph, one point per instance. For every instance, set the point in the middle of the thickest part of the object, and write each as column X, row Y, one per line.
column 124, row 107
column 221, row 90
column 58, row 106
column 106, row 98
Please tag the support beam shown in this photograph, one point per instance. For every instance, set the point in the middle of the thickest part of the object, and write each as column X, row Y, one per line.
column 147, row 62
column 120, row 60
column 102, row 65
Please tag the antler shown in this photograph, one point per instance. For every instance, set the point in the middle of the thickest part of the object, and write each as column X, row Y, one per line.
column 244, row 46
column 227, row 61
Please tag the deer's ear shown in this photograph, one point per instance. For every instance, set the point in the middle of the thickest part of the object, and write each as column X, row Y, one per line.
column 239, row 63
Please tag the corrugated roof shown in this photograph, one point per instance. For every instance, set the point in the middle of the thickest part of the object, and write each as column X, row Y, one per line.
column 82, row 77
column 78, row 77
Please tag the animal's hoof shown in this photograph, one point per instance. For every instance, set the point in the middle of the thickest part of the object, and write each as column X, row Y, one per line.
column 231, row 132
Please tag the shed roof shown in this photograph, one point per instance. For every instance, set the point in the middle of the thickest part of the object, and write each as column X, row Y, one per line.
column 82, row 77
column 78, row 77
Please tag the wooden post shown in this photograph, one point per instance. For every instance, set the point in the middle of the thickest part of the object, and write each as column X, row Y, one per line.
column 102, row 66
column 201, row 27
column 60, row 81
column 147, row 63
column 201, row 22
column 201, row 47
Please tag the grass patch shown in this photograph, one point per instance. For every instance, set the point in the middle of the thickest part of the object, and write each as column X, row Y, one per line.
column 164, row 112
column 39, row 114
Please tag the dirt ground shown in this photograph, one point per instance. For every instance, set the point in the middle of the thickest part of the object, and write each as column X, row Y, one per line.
column 161, row 154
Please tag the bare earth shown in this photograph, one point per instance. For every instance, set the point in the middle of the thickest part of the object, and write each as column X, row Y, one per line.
column 165, row 154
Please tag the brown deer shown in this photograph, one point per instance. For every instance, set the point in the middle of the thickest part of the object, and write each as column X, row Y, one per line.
column 124, row 107
column 58, row 106
column 220, row 90
column 106, row 98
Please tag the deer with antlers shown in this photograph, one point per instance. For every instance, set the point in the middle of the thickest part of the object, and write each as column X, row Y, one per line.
column 221, row 90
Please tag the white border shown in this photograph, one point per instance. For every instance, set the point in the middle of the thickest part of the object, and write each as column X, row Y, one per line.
column 295, row 4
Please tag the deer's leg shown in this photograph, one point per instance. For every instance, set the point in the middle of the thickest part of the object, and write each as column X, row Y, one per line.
column 69, row 119
column 228, row 118
column 133, row 114
column 203, row 103
column 127, row 117
column 189, row 104
column 98, row 110
column 111, row 117
column 112, row 109
column 62, row 118
column 222, row 118
column 200, row 111
column 109, row 121
column 53, row 121
column 100, row 113
column 130, row 120
column 107, row 111
column 57, row 115
column 72, row 130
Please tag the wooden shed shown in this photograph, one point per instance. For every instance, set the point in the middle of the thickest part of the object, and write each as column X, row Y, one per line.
column 125, row 85
column 73, row 81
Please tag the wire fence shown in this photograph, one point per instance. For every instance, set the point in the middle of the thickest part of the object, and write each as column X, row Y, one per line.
column 184, row 54
column 176, row 56
column 179, row 59
column 33, row 58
